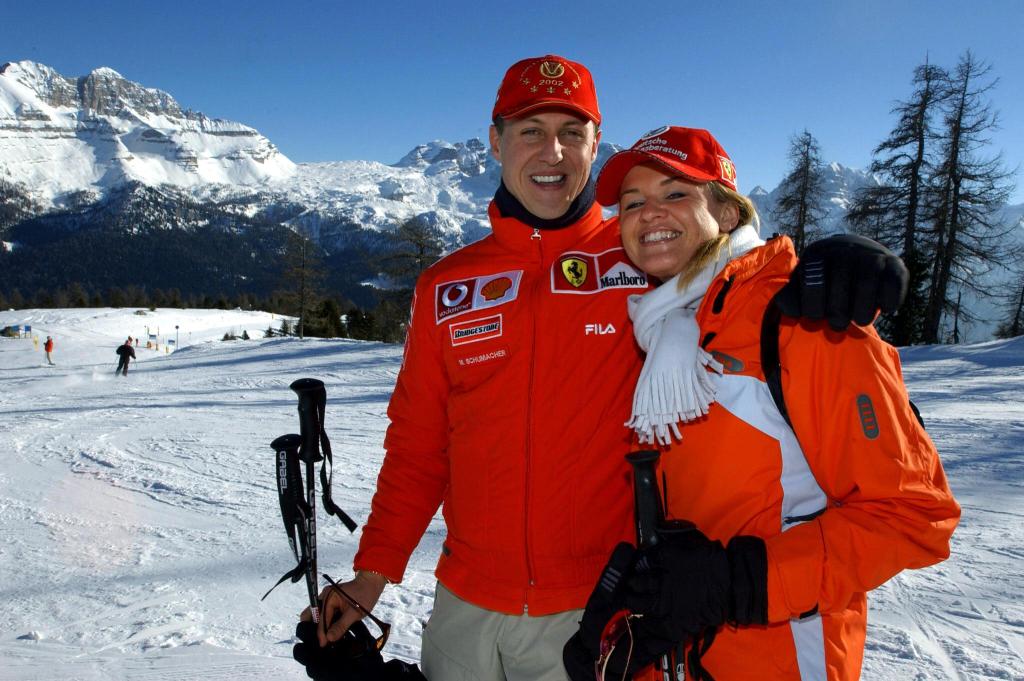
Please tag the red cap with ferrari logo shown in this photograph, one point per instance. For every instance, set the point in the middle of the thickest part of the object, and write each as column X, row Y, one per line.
column 692, row 153
column 548, row 81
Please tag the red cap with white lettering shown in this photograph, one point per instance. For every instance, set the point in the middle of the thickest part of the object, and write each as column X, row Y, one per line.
column 692, row 153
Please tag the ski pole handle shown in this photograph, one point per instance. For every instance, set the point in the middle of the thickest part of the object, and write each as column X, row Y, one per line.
column 285, row 448
column 310, row 392
column 650, row 516
column 646, row 499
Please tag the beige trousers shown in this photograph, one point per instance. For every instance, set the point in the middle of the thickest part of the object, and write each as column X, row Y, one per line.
column 462, row 642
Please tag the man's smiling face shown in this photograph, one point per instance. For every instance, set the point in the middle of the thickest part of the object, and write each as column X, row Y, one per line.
column 545, row 159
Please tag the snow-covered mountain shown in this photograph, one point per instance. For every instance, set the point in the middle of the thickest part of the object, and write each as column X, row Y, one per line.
column 102, row 153
column 61, row 135
column 840, row 184
column 68, row 142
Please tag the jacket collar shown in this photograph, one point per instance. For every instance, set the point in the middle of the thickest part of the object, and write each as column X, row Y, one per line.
column 513, row 234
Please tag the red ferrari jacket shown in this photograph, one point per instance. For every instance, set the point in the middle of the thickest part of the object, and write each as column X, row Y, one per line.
column 854, row 497
column 509, row 412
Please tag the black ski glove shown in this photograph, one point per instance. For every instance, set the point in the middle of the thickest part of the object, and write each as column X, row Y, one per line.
column 353, row 658
column 682, row 588
column 843, row 278
column 584, row 648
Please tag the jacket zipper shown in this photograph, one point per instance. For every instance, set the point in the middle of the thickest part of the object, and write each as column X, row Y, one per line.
column 535, row 237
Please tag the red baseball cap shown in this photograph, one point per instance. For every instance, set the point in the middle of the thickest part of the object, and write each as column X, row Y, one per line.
column 548, row 81
column 690, row 152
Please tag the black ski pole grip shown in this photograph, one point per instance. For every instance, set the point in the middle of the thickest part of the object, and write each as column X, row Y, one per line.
column 310, row 392
column 646, row 499
column 283, row 447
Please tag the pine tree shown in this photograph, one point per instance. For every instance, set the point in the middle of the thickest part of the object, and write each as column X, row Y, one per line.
column 967, row 240
column 417, row 246
column 800, row 208
column 174, row 298
column 77, row 296
column 116, row 298
column 303, row 276
column 1013, row 324
column 359, row 324
column 894, row 212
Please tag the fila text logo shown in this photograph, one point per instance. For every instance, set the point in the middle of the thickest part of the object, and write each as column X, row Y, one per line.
column 598, row 329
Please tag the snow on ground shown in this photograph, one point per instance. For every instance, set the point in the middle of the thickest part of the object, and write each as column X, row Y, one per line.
column 139, row 522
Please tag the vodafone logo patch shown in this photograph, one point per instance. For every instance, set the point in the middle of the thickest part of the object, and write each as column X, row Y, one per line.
column 453, row 298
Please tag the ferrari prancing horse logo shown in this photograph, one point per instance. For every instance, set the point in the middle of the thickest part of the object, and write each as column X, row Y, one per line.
column 575, row 271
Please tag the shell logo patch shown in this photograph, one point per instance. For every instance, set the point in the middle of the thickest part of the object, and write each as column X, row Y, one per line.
column 496, row 288
column 575, row 270
column 453, row 298
column 587, row 273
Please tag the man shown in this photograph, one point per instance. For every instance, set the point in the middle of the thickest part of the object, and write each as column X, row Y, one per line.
column 48, row 348
column 510, row 405
column 125, row 353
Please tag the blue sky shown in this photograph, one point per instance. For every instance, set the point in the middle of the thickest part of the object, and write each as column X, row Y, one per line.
column 340, row 80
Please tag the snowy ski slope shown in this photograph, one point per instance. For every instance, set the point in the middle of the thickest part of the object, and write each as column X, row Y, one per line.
column 139, row 522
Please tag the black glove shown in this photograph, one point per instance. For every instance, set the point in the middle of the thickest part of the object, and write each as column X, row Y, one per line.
column 684, row 587
column 352, row 658
column 843, row 278
column 583, row 649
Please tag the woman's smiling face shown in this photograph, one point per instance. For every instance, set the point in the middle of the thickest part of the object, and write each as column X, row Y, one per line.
column 664, row 219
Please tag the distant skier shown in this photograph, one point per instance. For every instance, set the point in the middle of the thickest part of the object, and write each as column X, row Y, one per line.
column 125, row 353
column 48, row 348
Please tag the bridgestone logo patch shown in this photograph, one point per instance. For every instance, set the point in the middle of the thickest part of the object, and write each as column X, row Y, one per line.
column 475, row 330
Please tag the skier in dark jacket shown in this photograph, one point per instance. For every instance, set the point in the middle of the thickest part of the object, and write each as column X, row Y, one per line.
column 125, row 353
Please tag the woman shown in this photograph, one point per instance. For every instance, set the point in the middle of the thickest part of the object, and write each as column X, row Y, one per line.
column 793, row 524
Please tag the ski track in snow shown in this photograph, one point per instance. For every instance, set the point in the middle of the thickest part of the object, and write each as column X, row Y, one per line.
column 139, row 522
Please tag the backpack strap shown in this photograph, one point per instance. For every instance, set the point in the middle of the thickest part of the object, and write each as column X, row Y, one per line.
column 771, row 366
column 770, row 363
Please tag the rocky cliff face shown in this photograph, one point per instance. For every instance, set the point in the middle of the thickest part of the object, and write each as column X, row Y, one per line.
column 59, row 136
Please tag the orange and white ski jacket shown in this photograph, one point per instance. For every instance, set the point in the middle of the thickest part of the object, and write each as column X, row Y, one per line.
column 509, row 411
column 854, row 497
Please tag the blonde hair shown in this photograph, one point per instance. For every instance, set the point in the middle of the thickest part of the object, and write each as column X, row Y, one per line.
column 710, row 250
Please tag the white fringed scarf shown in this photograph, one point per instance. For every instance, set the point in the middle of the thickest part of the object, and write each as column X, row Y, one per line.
column 675, row 384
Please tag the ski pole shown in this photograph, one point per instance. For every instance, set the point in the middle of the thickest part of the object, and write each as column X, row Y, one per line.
column 298, row 509
column 649, row 513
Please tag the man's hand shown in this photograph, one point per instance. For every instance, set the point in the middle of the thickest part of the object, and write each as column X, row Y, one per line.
column 844, row 278
column 337, row 614
column 335, row 663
